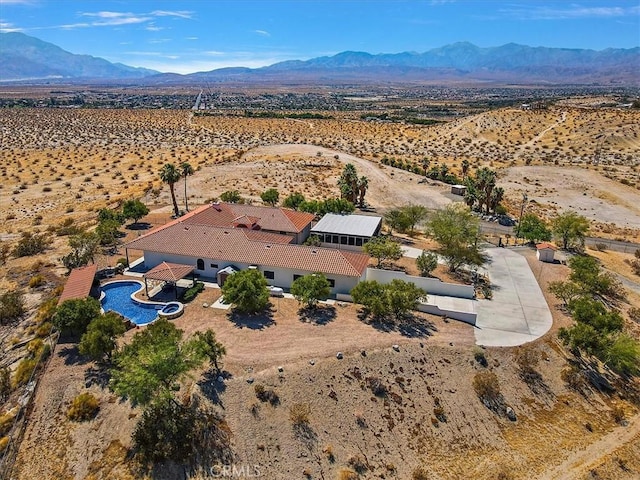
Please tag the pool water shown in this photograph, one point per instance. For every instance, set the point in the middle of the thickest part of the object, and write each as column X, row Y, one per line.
column 117, row 297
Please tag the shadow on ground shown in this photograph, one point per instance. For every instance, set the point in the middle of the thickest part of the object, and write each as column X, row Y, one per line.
column 411, row 326
column 320, row 315
column 211, row 387
column 257, row 321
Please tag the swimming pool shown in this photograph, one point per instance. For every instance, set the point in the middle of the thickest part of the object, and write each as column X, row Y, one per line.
column 117, row 297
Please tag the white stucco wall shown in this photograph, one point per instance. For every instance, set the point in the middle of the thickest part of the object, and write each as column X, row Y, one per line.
column 283, row 277
column 430, row 285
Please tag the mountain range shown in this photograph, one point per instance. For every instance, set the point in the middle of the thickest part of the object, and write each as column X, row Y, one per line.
column 27, row 58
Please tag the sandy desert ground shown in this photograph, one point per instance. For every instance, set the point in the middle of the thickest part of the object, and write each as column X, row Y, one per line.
column 65, row 163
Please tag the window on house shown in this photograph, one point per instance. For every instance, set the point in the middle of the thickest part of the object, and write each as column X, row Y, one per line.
column 214, row 265
column 352, row 241
column 358, row 242
column 200, row 264
column 343, row 240
column 334, row 239
column 295, row 277
column 332, row 282
column 269, row 275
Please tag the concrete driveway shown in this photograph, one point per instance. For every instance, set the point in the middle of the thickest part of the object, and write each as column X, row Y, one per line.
column 518, row 312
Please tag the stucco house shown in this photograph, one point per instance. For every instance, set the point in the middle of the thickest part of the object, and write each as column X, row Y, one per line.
column 217, row 236
column 348, row 232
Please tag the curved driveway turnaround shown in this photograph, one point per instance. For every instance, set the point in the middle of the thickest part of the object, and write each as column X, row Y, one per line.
column 518, row 312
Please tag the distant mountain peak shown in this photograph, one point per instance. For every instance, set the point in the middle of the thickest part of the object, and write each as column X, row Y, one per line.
column 24, row 57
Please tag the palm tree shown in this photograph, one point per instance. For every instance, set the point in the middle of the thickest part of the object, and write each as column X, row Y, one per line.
column 363, row 184
column 187, row 170
column 170, row 175
column 348, row 183
column 497, row 195
column 465, row 168
column 486, row 181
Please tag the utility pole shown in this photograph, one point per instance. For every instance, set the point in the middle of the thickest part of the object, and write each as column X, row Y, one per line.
column 524, row 202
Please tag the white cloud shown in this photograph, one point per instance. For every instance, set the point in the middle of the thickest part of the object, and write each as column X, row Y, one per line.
column 175, row 13
column 264, row 33
column 153, row 28
column 6, row 27
column 17, row 2
column 572, row 11
column 191, row 38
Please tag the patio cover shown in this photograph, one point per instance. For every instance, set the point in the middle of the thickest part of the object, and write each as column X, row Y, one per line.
column 79, row 283
column 169, row 272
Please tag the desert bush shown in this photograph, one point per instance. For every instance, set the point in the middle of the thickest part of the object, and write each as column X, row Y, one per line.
column 11, row 307
column 4, row 441
column 378, row 388
column 5, row 383
column 299, row 413
column 634, row 314
column 487, row 388
column 36, row 281
column 328, row 451
column 420, row 473
column 6, row 421
column 617, row 414
column 480, row 356
column 527, row 359
column 31, row 244
column 574, row 378
column 266, row 394
column 24, row 371
column 44, row 330
column 358, row 463
column 84, row 407
column 35, row 346
column 347, row 474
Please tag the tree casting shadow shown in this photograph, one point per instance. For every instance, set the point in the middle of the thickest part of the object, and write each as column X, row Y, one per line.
column 257, row 321
column 411, row 326
column 320, row 315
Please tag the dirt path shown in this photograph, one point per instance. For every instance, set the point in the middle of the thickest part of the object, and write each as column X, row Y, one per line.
column 582, row 460
column 532, row 142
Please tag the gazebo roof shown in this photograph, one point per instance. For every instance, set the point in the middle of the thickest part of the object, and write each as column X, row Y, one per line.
column 169, row 272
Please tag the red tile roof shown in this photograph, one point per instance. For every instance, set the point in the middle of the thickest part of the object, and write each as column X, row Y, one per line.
column 79, row 283
column 542, row 246
column 267, row 218
column 169, row 272
column 251, row 247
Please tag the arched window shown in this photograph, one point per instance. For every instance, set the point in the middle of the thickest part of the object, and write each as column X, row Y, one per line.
column 200, row 264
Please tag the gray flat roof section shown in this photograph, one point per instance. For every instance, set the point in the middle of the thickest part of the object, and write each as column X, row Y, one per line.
column 357, row 225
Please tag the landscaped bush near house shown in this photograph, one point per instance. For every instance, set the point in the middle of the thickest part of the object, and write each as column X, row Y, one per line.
column 84, row 407
column 193, row 292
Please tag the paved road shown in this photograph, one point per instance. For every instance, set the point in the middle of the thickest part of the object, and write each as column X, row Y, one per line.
column 518, row 312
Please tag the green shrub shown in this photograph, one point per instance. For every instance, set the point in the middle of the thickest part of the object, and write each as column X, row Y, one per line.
column 193, row 292
column 44, row 330
column 84, row 407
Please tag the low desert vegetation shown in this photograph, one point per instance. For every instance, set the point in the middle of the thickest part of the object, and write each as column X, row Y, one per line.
column 84, row 407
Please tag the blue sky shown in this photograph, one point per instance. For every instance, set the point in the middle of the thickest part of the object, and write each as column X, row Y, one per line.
column 189, row 36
